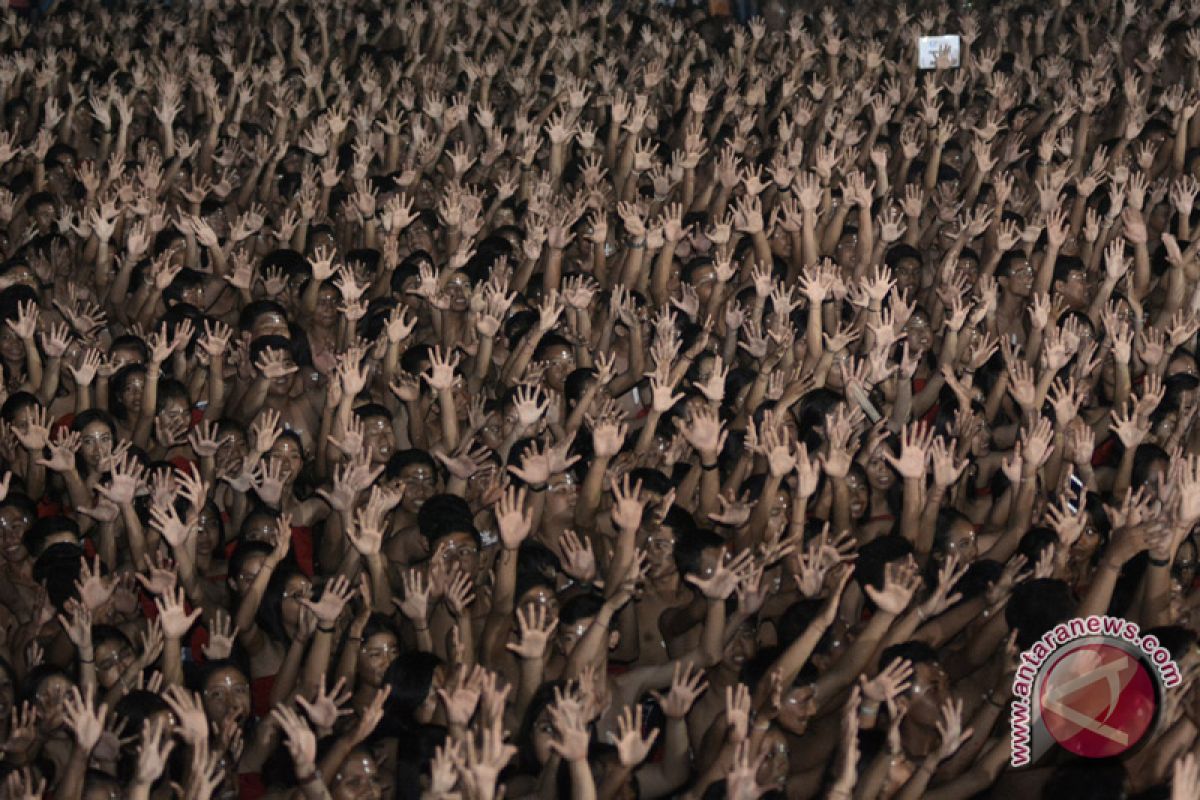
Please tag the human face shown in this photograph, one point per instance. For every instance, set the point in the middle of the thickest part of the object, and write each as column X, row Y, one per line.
column 14, row 523
column 1074, row 289
column 1183, row 570
column 328, row 301
column 230, row 453
column 741, row 647
column 660, row 549
column 297, row 589
column 908, row 276
column 961, row 541
column 287, row 451
column 773, row 772
column 799, row 704
column 929, row 691
column 251, row 566
column 702, row 280
column 879, row 471
column 860, row 495
column 543, row 735
column 282, row 384
column 49, row 699
column 18, row 275
column 175, row 412
column 227, row 696
column 379, row 438
column 419, row 484
column 459, row 550
column 11, row 347
column 131, row 395
column 539, row 597
column 920, row 335
column 112, row 659
column 375, row 656
column 458, row 289
column 1086, row 545
column 847, row 251
column 272, row 323
column 1020, row 279
column 562, row 490
column 569, row 635
column 561, row 362
column 44, row 216
column 123, row 356
column 209, row 532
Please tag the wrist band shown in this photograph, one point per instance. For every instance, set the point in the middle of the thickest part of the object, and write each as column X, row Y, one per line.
column 1159, row 562
column 83, row 660
column 316, row 774
column 636, row 245
column 540, row 487
column 325, row 630
column 708, row 467
column 420, row 630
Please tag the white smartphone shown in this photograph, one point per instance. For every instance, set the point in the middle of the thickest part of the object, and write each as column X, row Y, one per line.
column 928, row 48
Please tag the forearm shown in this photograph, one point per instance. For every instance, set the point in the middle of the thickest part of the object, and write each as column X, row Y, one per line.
column 70, row 787
column 285, row 681
column 172, row 662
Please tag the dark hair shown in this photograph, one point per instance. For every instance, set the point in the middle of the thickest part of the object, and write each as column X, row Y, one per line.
column 138, row 706
column 875, row 555
column 690, row 546
column 1176, row 638
column 445, row 514
column 17, row 402
column 270, row 610
column 410, row 678
column 579, row 607
column 1086, row 779
column 117, row 386
column 406, row 458
column 914, row 651
column 41, row 530
column 242, row 552
column 1036, row 606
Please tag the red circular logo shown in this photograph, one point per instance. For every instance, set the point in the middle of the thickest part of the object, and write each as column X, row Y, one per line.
column 1097, row 700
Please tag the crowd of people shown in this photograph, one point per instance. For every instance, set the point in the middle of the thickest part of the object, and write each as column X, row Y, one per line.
column 577, row 400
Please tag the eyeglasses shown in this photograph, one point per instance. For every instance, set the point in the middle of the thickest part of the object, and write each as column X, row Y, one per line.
column 425, row 478
column 303, row 592
column 381, row 652
column 227, row 692
column 454, row 553
column 120, row 655
column 566, row 485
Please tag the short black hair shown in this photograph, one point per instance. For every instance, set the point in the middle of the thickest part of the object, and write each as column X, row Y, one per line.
column 1036, row 606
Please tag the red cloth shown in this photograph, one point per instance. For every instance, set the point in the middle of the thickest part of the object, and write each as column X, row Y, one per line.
column 302, row 549
column 251, row 786
column 260, row 695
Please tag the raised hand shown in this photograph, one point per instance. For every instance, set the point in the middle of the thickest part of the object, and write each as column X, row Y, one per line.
column 326, row 708
column 687, row 684
column 632, row 746
column 534, row 628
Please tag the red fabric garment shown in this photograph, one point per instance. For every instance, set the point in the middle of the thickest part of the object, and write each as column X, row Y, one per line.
column 260, row 695
column 251, row 786
column 302, row 549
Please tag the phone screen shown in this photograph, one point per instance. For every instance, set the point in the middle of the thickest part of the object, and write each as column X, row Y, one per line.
column 928, row 48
